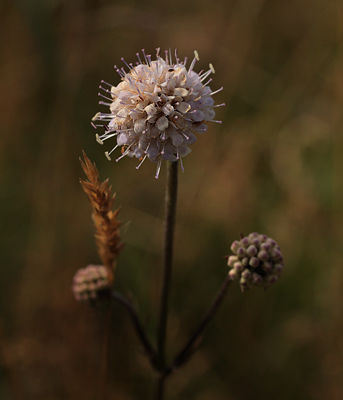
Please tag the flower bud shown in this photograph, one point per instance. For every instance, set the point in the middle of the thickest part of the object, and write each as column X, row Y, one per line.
column 263, row 255
column 235, row 246
column 233, row 273
column 245, row 261
column 245, row 242
column 245, row 284
column 257, row 260
column 231, row 260
column 267, row 266
column 238, row 266
column 240, row 252
column 246, row 274
column 254, row 262
column 251, row 251
column 256, row 241
column 89, row 282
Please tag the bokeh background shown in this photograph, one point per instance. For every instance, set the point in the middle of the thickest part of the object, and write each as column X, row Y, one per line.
column 273, row 166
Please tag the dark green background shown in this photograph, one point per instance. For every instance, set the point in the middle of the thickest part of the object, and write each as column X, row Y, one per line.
column 273, row 166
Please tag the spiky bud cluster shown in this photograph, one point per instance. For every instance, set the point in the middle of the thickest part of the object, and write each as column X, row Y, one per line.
column 257, row 260
column 91, row 281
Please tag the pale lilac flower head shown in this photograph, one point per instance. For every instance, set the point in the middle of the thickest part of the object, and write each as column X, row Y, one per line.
column 90, row 282
column 257, row 260
column 156, row 109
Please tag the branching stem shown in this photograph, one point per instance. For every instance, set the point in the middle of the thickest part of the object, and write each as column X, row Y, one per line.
column 150, row 351
column 191, row 345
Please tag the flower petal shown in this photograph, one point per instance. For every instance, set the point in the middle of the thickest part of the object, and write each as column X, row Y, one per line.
column 162, row 123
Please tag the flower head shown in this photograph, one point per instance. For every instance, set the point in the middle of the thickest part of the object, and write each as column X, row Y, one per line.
column 257, row 261
column 89, row 282
column 156, row 109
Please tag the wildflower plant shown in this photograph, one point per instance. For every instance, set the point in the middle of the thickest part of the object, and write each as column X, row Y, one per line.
column 156, row 112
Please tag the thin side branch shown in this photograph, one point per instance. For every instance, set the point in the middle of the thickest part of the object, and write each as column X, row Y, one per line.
column 150, row 351
column 193, row 342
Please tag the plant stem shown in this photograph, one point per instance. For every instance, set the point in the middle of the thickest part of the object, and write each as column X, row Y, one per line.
column 160, row 387
column 137, row 325
column 169, row 227
column 190, row 346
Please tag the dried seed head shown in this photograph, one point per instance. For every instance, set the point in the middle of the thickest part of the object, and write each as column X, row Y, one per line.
column 257, row 260
column 157, row 108
column 105, row 219
column 91, row 282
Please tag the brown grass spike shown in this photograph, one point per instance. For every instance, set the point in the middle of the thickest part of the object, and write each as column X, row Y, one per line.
column 106, row 222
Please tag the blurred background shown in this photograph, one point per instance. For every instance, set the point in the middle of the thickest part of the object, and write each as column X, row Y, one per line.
column 273, row 166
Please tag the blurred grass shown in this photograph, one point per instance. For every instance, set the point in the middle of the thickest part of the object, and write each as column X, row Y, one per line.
column 275, row 166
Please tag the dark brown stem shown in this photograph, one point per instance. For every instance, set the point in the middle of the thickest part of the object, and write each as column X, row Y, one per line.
column 190, row 346
column 170, row 214
column 169, row 227
column 150, row 351
column 159, row 393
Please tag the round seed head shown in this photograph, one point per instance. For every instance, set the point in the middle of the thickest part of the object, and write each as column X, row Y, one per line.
column 92, row 281
column 257, row 260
